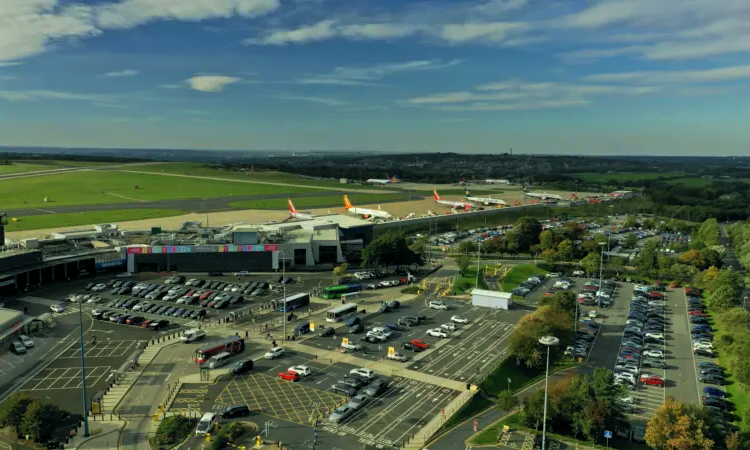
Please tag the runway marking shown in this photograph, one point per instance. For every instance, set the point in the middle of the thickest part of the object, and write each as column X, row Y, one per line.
column 125, row 197
column 44, row 210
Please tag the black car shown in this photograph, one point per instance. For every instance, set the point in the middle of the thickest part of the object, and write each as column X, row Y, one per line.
column 329, row 331
column 654, row 363
column 235, row 411
column 711, row 379
column 372, row 340
column 408, row 346
column 215, row 273
column 160, row 325
column 712, row 371
column 242, row 367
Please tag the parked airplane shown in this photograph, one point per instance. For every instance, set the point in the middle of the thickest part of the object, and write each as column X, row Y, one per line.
column 484, row 200
column 454, row 205
column 296, row 214
column 542, row 195
column 366, row 213
column 391, row 180
column 497, row 181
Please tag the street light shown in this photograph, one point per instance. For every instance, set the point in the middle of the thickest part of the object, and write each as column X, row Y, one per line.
column 283, row 287
column 601, row 273
column 549, row 341
column 83, row 372
column 479, row 252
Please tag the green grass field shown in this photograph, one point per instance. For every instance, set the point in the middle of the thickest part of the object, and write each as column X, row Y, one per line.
column 198, row 169
column 22, row 167
column 518, row 274
column 83, row 163
column 107, row 187
column 318, row 202
column 75, row 219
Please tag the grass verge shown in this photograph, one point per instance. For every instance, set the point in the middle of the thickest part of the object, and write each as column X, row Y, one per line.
column 489, row 435
column 75, row 219
column 108, row 187
column 468, row 281
column 8, row 169
column 519, row 274
column 319, row 202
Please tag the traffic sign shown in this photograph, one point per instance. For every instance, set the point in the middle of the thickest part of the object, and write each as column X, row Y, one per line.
column 442, row 411
column 391, row 352
column 608, row 434
column 476, row 424
column 312, row 326
column 344, row 341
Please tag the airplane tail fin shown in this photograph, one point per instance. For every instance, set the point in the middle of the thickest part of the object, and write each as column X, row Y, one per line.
column 378, row 207
column 291, row 206
column 467, row 207
column 347, row 203
column 435, row 194
column 467, row 193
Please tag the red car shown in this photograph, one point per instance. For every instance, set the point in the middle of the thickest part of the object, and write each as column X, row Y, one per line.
column 697, row 313
column 146, row 323
column 653, row 380
column 289, row 376
column 655, row 294
column 419, row 344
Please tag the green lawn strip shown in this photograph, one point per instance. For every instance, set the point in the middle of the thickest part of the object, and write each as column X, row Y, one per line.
column 76, row 219
column 489, row 435
column 468, row 282
column 108, row 187
column 328, row 201
column 518, row 274
column 737, row 395
column 7, row 169
column 198, row 169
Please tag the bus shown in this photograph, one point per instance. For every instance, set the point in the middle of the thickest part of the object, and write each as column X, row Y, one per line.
column 293, row 302
column 338, row 291
column 231, row 345
column 341, row 312
column 350, row 296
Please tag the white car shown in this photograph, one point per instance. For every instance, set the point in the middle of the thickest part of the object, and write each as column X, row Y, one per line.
column 703, row 346
column 629, row 400
column 242, row 273
column 459, row 319
column 593, row 314
column 396, row 356
column 653, row 353
column 301, row 370
column 438, row 305
column 94, row 299
column 437, row 332
column 448, row 326
column 654, row 335
column 57, row 308
column 625, row 376
column 99, row 287
column 26, row 341
column 363, row 372
column 276, row 352
column 553, row 275
column 141, row 306
column 626, row 368
column 351, row 346
column 376, row 335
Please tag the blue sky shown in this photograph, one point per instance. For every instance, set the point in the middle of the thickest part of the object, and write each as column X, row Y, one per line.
column 665, row 77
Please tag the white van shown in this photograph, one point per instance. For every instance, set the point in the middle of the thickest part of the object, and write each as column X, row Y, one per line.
column 193, row 335
column 206, row 424
column 219, row 360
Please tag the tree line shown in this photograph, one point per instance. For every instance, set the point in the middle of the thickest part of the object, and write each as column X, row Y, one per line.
column 30, row 417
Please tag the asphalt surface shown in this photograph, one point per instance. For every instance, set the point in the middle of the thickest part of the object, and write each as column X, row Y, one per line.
column 60, row 382
column 388, row 420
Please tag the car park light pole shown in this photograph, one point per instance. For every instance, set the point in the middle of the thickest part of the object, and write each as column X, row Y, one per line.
column 548, row 341
column 479, row 253
column 83, row 372
column 283, row 287
column 601, row 272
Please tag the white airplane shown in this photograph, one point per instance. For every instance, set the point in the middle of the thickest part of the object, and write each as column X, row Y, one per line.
column 497, row 181
column 484, row 200
column 542, row 195
column 454, row 205
column 391, row 180
column 296, row 214
column 366, row 213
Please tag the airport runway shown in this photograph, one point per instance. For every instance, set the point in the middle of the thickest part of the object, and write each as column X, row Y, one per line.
column 194, row 205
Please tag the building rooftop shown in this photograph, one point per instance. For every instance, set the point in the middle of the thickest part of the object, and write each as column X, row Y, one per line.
column 487, row 293
column 8, row 315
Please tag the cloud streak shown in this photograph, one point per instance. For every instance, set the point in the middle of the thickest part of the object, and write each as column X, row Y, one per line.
column 121, row 73
column 210, row 83
column 369, row 76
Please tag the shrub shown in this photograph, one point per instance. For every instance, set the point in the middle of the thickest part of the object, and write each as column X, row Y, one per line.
column 234, row 430
column 172, row 430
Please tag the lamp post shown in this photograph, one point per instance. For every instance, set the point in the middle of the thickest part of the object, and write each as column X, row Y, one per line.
column 601, row 271
column 479, row 252
column 283, row 287
column 549, row 341
column 83, row 373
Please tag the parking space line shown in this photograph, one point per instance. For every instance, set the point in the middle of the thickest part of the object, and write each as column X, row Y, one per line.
column 93, row 376
column 417, row 405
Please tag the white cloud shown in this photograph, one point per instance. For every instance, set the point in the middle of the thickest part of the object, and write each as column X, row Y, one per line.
column 492, row 32
column 10, row 63
column 169, row 86
column 718, row 75
column 210, row 83
column 130, row 13
column 303, row 98
column 42, row 94
column 367, row 76
column 121, row 73
column 379, row 30
column 588, row 55
column 315, row 32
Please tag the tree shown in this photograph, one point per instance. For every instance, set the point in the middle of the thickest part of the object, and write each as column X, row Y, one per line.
column 389, row 249
column 463, row 262
column 711, row 257
column 710, row 275
column 694, row 258
column 734, row 441
column 549, row 256
column 527, row 230
column 565, row 250
column 682, row 272
column 340, row 271
column 721, row 298
column 506, row 401
column 492, row 246
column 13, row 410
column 590, row 263
column 40, row 420
column 467, row 247
column 630, row 222
column 547, row 240
column 631, row 240
column 647, row 261
column 648, row 224
column 676, row 426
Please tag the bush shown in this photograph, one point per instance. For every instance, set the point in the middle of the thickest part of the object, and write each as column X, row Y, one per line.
column 172, row 430
column 219, row 442
column 234, row 430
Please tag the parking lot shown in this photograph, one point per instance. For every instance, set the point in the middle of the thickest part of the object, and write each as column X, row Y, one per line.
column 60, row 382
column 389, row 419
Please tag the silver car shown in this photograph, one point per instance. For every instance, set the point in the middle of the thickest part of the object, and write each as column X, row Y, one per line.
column 357, row 402
column 340, row 414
